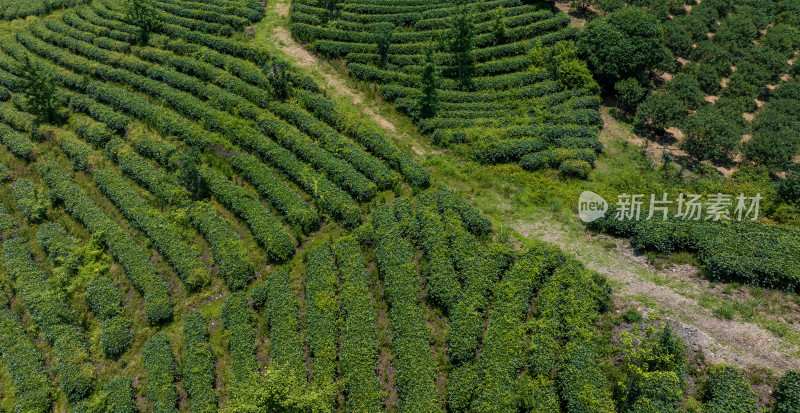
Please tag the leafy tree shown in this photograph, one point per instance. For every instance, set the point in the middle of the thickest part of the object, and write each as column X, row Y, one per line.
column 771, row 149
column 630, row 91
column 693, row 26
column 582, row 5
column 709, row 80
column 189, row 174
column 499, row 26
column 686, row 88
column 625, row 44
column 330, row 5
column 142, row 14
column 277, row 72
column 710, row 53
column 574, row 74
column 723, row 7
column 462, row 38
column 659, row 9
column 609, row 6
column 660, row 111
column 762, row 64
column 783, row 38
column 743, row 90
column 710, row 136
column 429, row 101
column 788, row 12
column 677, row 38
column 562, row 61
column 40, row 92
column 775, row 145
column 707, row 14
column 383, row 33
column 789, row 188
column 736, row 30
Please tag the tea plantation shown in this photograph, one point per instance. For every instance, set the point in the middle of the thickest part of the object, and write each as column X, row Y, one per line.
column 191, row 223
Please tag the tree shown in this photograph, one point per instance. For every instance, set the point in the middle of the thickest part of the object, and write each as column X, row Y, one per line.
column 772, row 149
column 609, row 6
column 383, row 33
column 686, row 88
column 142, row 14
column 660, row 111
column 189, row 175
column 499, row 26
column 736, row 30
column 789, row 188
column 40, row 92
column 428, row 102
column 582, row 5
column 630, row 91
column 693, row 26
column 783, row 38
column 707, row 14
column 677, row 39
column 625, row 44
column 709, row 80
column 330, row 5
column 710, row 136
column 462, row 38
column 277, row 72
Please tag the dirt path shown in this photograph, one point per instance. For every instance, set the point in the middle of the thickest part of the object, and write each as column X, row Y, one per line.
column 671, row 292
column 334, row 85
column 739, row 343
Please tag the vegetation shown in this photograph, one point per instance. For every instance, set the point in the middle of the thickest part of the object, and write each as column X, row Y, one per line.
column 190, row 221
column 464, row 73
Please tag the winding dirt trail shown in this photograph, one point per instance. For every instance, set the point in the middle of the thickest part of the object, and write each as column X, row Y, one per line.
column 744, row 344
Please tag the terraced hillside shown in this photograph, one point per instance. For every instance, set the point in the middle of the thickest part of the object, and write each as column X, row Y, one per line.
column 15, row 9
column 190, row 224
column 512, row 89
column 175, row 178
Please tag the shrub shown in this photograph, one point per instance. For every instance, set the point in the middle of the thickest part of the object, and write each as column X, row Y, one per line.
column 50, row 312
column 164, row 233
column 660, row 111
column 727, row 390
column 265, row 229
column 198, row 369
column 685, row 87
column 710, row 136
column 31, row 199
column 18, row 144
column 630, row 91
column 708, row 79
column 159, row 361
column 359, row 348
column 103, row 298
column 323, row 313
column 677, row 38
column 787, row 394
column 115, row 336
column 286, row 344
column 24, row 366
column 131, row 256
column 625, row 44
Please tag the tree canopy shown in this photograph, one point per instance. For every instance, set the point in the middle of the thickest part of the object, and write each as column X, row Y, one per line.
column 627, row 43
